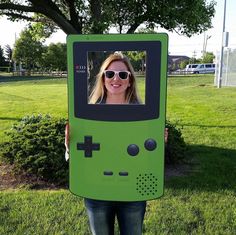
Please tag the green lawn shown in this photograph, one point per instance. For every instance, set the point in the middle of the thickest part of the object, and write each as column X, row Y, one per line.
column 21, row 98
column 206, row 113
column 203, row 201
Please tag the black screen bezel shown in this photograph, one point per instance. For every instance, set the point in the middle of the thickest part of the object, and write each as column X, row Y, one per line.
column 116, row 112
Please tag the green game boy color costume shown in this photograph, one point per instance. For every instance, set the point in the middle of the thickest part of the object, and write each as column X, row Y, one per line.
column 117, row 151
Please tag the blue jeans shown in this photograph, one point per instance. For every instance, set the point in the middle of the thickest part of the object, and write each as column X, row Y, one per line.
column 102, row 214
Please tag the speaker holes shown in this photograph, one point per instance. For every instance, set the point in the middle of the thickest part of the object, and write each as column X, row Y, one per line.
column 147, row 184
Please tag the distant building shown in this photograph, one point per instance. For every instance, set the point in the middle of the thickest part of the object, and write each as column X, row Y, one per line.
column 175, row 60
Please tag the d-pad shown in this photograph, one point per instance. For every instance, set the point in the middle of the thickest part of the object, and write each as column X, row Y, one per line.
column 88, row 146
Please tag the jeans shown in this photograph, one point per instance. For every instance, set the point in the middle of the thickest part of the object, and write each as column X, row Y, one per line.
column 102, row 214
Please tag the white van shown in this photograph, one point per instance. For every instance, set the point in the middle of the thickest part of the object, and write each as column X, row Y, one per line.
column 204, row 68
column 189, row 67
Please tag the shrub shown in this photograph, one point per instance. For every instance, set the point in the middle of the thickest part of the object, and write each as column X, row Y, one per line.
column 36, row 146
column 175, row 150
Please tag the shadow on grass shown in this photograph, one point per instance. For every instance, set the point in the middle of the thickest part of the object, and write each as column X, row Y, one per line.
column 10, row 118
column 213, row 169
column 205, row 126
column 27, row 78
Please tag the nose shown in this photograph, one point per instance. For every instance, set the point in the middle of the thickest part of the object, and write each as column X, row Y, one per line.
column 116, row 76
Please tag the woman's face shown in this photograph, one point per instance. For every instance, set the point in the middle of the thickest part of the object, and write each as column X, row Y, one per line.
column 116, row 85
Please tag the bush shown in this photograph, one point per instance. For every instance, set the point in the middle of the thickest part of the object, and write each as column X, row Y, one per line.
column 36, row 146
column 175, row 150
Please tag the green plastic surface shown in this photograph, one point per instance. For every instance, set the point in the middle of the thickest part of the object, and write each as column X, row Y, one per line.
column 145, row 179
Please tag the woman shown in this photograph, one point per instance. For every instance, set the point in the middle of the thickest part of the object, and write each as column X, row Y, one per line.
column 115, row 83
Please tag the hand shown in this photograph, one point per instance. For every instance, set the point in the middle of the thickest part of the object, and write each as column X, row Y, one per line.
column 67, row 141
column 166, row 135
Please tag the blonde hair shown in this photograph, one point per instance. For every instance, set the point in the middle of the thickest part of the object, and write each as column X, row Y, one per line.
column 99, row 91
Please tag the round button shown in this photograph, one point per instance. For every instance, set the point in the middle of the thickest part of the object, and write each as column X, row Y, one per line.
column 133, row 149
column 150, row 144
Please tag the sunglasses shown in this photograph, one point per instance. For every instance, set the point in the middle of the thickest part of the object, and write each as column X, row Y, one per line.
column 123, row 75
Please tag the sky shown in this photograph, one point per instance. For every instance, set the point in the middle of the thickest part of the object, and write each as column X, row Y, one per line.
column 178, row 45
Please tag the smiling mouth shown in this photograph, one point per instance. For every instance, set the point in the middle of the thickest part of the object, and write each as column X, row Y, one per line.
column 116, row 85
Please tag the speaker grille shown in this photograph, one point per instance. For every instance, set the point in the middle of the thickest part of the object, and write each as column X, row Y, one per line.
column 146, row 184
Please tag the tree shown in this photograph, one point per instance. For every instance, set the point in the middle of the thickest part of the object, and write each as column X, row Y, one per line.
column 194, row 60
column 54, row 58
column 40, row 31
column 97, row 16
column 208, row 57
column 183, row 64
column 27, row 50
column 139, row 57
column 2, row 58
column 8, row 53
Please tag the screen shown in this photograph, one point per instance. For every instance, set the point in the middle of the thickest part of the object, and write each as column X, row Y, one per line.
column 111, row 81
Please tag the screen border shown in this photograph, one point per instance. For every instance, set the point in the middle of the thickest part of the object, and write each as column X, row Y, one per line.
column 129, row 112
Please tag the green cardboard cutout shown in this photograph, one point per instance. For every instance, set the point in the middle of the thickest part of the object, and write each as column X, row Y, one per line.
column 117, row 150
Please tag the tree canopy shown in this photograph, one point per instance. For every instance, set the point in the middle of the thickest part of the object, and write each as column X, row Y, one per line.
column 208, row 57
column 2, row 58
column 8, row 52
column 27, row 50
column 54, row 57
column 186, row 17
column 32, row 54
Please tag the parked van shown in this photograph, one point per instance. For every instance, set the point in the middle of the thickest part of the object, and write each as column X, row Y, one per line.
column 200, row 68
column 189, row 67
column 204, row 68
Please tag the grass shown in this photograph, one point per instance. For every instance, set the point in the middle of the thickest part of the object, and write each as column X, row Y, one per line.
column 42, row 212
column 59, row 212
column 200, row 202
column 21, row 96
column 203, row 111
column 26, row 97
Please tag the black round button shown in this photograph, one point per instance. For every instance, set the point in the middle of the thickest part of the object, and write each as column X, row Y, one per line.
column 133, row 149
column 150, row 144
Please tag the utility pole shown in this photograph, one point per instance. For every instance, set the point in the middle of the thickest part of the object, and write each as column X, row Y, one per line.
column 14, row 62
column 219, row 81
column 204, row 49
column 207, row 37
column 194, row 56
column 204, row 41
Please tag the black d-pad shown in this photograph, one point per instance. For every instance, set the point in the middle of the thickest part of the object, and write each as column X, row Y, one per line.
column 88, row 146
